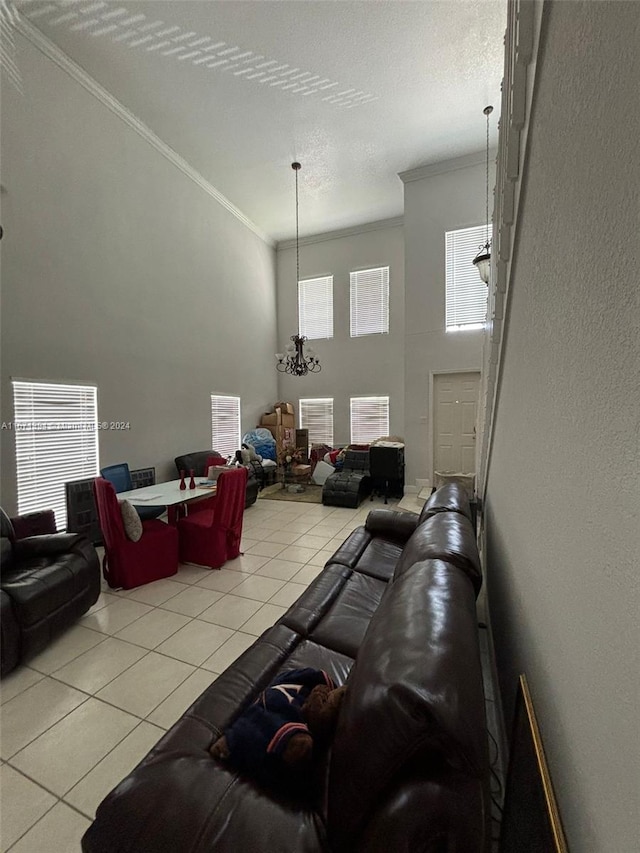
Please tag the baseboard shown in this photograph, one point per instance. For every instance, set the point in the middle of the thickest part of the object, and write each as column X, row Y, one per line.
column 411, row 490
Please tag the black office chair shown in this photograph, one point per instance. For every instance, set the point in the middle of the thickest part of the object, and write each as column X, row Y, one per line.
column 386, row 466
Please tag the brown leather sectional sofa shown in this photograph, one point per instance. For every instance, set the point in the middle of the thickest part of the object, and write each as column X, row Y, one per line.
column 393, row 615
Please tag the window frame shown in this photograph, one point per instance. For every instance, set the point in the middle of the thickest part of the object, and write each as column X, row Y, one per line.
column 360, row 439
column 365, row 310
column 315, row 439
column 63, row 421
column 462, row 281
column 219, row 443
column 304, row 322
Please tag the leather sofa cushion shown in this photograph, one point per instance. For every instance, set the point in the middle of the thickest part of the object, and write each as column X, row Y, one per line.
column 451, row 497
column 316, row 600
column 344, row 625
column 419, row 681
column 352, row 549
column 379, row 559
column 10, row 647
column 40, row 585
column 445, row 536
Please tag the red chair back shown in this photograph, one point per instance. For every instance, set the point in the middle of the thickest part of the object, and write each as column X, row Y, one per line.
column 229, row 510
column 108, row 512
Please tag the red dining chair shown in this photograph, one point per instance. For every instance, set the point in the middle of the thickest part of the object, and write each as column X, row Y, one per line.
column 126, row 563
column 212, row 536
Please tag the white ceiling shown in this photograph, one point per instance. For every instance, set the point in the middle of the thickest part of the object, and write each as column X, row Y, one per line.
column 356, row 90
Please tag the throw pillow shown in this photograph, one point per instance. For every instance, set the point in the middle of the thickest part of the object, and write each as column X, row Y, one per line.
column 131, row 521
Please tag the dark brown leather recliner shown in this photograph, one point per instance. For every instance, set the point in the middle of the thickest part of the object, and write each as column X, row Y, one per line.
column 47, row 581
column 196, row 461
column 408, row 769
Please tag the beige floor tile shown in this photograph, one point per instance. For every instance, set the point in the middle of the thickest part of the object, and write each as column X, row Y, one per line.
column 263, row 619
column 222, row 580
column 266, row 549
column 64, row 648
column 152, row 628
column 298, row 554
column 67, row 751
column 228, row 652
column 23, row 803
column 247, row 563
column 258, row 588
column 97, row 667
column 60, row 830
column 285, row 537
column 279, row 569
column 195, row 642
column 231, row 611
column 155, row 593
column 20, row 679
column 192, row 601
column 189, row 574
column 103, row 599
column 89, row 792
column 321, row 558
column 33, row 711
column 308, row 540
column 146, row 684
column 289, row 593
column 307, row 574
column 114, row 617
column 176, row 704
column 246, row 543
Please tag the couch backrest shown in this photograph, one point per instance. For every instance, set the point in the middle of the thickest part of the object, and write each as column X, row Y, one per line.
column 356, row 460
column 7, row 537
column 445, row 536
column 451, row 497
column 196, row 460
column 414, row 718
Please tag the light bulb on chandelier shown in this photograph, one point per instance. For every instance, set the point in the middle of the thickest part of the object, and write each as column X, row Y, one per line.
column 294, row 360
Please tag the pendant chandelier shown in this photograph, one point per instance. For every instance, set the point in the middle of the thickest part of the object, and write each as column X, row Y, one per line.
column 294, row 360
column 482, row 260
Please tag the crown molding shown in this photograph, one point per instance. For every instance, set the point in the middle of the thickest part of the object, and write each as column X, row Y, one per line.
column 63, row 61
column 429, row 170
column 379, row 225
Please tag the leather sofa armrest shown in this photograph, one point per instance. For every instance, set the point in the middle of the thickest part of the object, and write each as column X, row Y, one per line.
column 391, row 524
column 34, row 523
column 47, row 545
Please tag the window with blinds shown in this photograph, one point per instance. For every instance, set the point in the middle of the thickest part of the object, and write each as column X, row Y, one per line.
column 370, row 302
column 369, row 419
column 315, row 307
column 56, row 432
column 225, row 424
column 316, row 415
column 466, row 293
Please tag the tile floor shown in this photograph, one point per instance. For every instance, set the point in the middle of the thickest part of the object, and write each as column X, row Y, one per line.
column 86, row 710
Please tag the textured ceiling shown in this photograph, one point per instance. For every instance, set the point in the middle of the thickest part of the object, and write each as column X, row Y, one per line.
column 356, row 91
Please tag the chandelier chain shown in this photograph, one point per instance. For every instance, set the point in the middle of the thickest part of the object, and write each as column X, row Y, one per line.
column 488, row 113
column 297, row 233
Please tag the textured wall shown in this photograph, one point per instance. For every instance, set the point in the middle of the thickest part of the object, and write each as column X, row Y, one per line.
column 118, row 269
column 563, row 498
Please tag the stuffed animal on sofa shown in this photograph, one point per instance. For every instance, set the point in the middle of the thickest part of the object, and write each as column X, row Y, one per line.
column 275, row 738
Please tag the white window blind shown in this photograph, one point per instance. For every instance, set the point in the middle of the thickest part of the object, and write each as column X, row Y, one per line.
column 316, row 415
column 225, row 424
column 315, row 307
column 466, row 293
column 370, row 302
column 369, row 419
column 56, row 430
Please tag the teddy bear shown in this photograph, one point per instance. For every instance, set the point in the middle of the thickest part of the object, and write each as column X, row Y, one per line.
column 276, row 737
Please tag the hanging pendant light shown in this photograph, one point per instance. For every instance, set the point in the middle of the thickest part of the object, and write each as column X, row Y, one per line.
column 482, row 260
column 294, row 360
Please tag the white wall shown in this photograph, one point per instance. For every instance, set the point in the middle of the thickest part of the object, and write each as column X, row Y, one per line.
column 455, row 198
column 119, row 269
column 562, row 488
column 367, row 366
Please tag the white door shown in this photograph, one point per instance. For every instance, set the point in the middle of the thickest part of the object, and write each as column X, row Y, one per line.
column 455, row 406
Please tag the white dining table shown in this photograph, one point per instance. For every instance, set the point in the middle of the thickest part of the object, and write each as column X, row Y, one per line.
column 166, row 494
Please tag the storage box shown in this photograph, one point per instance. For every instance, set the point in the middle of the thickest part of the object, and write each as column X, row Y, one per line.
column 301, row 473
column 286, row 408
column 278, row 418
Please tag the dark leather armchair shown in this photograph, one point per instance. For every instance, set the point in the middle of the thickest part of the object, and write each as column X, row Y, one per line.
column 350, row 486
column 47, row 581
column 197, row 461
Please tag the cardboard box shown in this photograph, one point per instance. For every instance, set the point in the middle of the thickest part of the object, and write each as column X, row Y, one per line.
column 278, row 418
column 286, row 408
